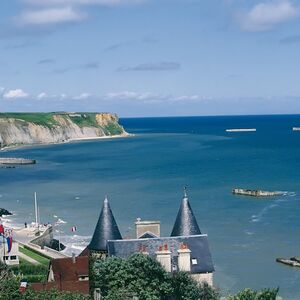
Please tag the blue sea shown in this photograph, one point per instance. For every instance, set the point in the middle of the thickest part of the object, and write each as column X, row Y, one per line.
column 144, row 177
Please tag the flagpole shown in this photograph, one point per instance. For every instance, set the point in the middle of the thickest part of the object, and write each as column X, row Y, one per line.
column 35, row 208
column 4, row 250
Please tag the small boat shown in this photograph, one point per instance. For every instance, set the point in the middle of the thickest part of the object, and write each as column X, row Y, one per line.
column 296, row 128
column 241, row 130
column 255, row 193
column 289, row 262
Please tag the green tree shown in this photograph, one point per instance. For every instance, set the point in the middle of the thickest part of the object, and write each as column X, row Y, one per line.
column 248, row 294
column 144, row 278
column 9, row 290
column 185, row 288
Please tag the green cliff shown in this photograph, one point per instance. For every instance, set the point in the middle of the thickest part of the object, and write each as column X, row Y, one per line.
column 44, row 128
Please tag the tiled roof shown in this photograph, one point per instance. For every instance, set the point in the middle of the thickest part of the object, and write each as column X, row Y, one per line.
column 186, row 223
column 198, row 244
column 65, row 270
column 106, row 229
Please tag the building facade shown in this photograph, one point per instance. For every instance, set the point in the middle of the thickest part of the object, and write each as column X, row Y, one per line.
column 187, row 249
column 9, row 258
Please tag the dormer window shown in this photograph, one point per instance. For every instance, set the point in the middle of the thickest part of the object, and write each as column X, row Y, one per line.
column 194, row 261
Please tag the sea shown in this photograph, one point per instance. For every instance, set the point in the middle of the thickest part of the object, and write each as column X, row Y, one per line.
column 143, row 176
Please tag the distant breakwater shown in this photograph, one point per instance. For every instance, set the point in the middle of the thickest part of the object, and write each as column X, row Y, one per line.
column 16, row 161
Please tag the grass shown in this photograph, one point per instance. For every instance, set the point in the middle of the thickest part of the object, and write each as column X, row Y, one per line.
column 80, row 119
column 86, row 119
column 34, row 255
column 113, row 129
column 45, row 119
column 33, row 273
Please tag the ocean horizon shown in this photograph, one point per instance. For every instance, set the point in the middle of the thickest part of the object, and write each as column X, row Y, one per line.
column 144, row 175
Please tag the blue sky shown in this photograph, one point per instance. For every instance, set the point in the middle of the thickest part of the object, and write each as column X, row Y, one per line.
column 150, row 57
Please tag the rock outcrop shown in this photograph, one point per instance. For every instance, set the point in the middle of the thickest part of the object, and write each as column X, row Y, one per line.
column 4, row 212
column 45, row 128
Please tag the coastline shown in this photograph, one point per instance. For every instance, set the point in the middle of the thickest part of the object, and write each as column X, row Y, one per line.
column 104, row 137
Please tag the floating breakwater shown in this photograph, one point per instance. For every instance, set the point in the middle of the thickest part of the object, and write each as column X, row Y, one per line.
column 16, row 161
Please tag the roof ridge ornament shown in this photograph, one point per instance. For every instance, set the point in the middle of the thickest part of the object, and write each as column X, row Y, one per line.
column 185, row 192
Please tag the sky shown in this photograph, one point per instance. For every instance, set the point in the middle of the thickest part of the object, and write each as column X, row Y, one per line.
column 150, row 57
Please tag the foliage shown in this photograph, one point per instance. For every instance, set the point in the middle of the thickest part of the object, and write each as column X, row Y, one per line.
column 9, row 290
column 113, row 129
column 86, row 119
column 27, row 268
column 142, row 277
column 4, row 212
column 248, row 294
column 80, row 119
column 44, row 119
column 185, row 288
column 139, row 275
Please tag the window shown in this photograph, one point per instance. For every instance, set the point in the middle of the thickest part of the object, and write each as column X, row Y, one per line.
column 13, row 257
column 5, row 257
column 83, row 278
column 194, row 261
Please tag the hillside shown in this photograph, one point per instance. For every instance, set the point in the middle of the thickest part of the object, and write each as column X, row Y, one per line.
column 44, row 128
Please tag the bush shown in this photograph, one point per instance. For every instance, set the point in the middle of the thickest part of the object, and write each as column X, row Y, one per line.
column 9, row 290
column 144, row 278
column 185, row 288
column 248, row 294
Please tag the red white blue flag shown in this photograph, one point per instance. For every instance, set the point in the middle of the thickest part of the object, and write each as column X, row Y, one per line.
column 1, row 229
column 74, row 228
column 9, row 243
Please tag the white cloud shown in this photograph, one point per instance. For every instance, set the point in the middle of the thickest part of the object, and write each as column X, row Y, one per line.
column 265, row 15
column 13, row 94
column 147, row 97
column 41, row 96
column 50, row 16
column 82, row 2
column 82, row 96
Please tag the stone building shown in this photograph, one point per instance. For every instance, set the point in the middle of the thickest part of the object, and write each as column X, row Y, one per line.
column 187, row 249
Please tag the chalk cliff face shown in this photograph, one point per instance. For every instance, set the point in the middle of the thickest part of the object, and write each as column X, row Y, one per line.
column 40, row 128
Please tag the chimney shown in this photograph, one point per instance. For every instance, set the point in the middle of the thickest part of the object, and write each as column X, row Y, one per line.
column 73, row 258
column 143, row 227
column 143, row 249
column 184, row 258
column 163, row 256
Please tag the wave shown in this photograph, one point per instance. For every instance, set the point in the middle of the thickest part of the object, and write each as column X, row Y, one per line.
column 258, row 217
column 75, row 243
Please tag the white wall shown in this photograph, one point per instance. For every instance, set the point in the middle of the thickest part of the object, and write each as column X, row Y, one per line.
column 14, row 252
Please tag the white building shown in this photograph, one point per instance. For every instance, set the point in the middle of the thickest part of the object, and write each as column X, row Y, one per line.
column 11, row 258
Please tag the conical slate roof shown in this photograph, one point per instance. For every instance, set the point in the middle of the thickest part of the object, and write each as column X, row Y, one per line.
column 186, row 223
column 106, row 229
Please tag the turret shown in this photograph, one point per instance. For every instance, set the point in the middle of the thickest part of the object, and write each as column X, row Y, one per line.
column 106, row 229
column 186, row 223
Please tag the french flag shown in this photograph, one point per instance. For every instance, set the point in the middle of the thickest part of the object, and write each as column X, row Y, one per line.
column 1, row 229
column 9, row 243
column 74, row 228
